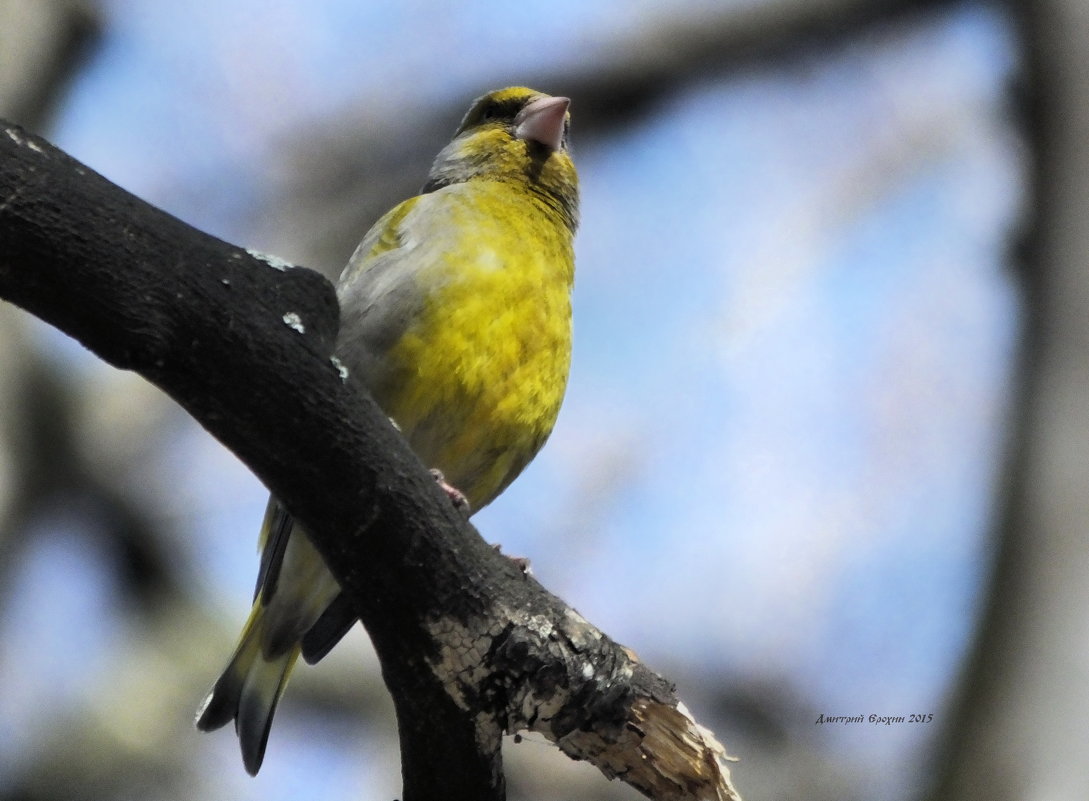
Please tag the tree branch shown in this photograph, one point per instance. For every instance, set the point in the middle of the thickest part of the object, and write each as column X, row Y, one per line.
column 469, row 646
column 1017, row 727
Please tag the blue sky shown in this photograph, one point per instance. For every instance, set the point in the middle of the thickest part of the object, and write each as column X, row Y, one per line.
column 793, row 325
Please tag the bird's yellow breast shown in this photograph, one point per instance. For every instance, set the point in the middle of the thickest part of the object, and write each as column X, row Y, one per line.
column 476, row 377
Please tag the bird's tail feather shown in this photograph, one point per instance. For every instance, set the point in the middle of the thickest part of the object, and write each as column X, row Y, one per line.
column 248, row 690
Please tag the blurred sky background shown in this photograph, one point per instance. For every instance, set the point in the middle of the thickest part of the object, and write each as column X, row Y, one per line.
column 794, row 333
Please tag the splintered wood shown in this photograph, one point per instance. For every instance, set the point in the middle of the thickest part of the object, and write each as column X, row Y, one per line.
column 667, row 755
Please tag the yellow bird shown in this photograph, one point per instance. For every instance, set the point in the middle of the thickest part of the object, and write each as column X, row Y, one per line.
column 456, row 314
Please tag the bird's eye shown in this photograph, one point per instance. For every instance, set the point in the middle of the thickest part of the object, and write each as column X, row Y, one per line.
column 489, row 112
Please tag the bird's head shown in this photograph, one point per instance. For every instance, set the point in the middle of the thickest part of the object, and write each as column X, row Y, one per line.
column 517, row 135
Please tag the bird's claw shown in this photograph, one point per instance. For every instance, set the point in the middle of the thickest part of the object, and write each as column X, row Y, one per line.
column 456, row 496
column 521, row 562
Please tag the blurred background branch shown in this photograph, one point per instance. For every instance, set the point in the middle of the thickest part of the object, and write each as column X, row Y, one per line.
column 349, row 173
column 42, row 44
column 1019, row 728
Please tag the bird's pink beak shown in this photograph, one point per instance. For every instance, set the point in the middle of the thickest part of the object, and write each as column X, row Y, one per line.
column 542, row 121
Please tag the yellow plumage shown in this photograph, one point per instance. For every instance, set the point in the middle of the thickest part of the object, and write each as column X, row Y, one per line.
column 455, row 312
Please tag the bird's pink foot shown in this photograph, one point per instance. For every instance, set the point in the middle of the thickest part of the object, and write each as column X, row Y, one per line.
column 456, row 496
column 521, row 562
